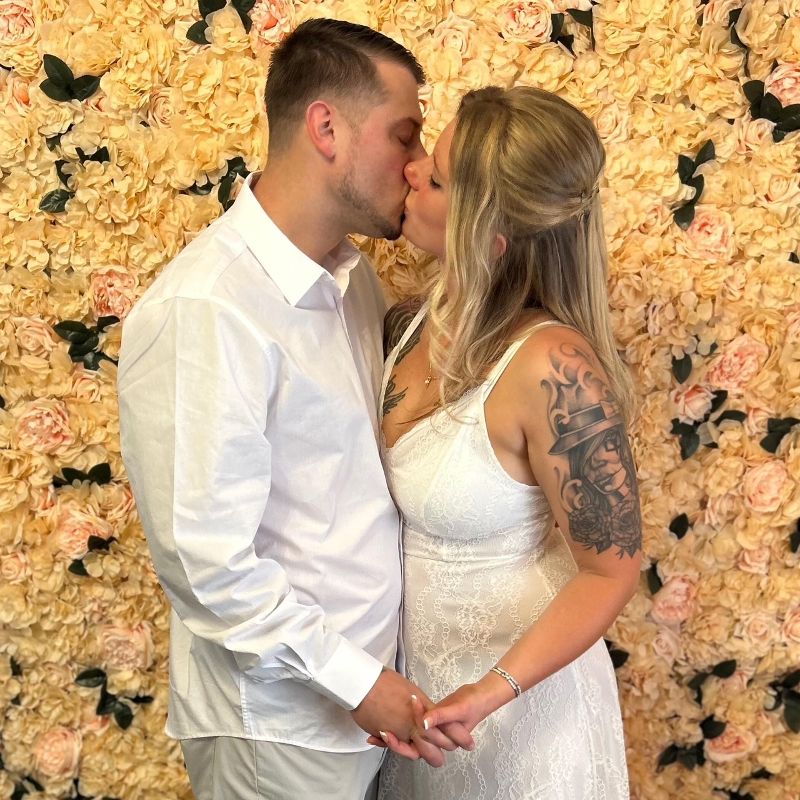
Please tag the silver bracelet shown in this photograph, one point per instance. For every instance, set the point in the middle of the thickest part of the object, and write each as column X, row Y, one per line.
column 510, row 678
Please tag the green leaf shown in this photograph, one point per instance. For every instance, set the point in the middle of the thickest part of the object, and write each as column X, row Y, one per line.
column 581, row 17
column 667, row 757
column 793, row 678
column 204, row 189
column 54, row 92
column 792, row 716
column 698, row 182
column 724, row 669
column 684, row 215
column 77, row 568
column 753, row 90
column 91, row 678
column 707, row 153
column 210, row 6
column 689, row 444
column 237, row 166
column 16, row 669
column 79, row 349
column 568, row 41
column 123, row 715
column 98, row 543
column 689, row 758
column 686, row 168
column 197, row 32
column 71, row 475
column 100, row 474
column 794, row 542
column 53, row 142
column 62, row 176
column 72, row 330
column 224, row 191
column 770, row 107
column 719, row 397
column 56, row 201
column 106, row 704
column 789, row 118
column 618, row 657
column 101, row 155
column 731, row 414
column 141, row 699
column 106, row 322
column 85, row 86
column 244, row 7
column 58, row 72
column 781, row 424
column 712, row 727
column 680, row 525
column 772, row 441
column 557, row 24
column 653, row 580
column 682, row 367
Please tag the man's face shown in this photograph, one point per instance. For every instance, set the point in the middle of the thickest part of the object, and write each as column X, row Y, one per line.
column 373, row 185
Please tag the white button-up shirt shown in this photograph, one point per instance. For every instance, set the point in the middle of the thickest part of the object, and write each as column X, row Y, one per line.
column 248, row 388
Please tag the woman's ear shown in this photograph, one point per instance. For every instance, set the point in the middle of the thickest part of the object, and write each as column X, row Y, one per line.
column 319, row 125
column 500, row 245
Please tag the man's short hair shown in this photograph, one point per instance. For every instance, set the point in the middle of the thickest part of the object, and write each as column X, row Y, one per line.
column 327, row 56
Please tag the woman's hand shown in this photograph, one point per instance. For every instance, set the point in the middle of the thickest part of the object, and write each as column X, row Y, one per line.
column 470, row 704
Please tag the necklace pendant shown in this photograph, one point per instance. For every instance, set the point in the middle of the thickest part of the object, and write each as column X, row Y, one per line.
column 428, row 381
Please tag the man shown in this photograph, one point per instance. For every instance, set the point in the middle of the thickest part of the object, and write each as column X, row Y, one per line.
column 248, row 384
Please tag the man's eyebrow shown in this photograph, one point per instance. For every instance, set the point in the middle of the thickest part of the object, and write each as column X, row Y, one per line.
column 413, row 120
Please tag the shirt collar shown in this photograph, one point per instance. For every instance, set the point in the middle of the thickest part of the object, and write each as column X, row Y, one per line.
column 293, row 272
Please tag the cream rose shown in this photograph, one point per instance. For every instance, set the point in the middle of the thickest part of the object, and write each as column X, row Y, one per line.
column 56, row 753
column 760, row 630
column 764, row 487
column 34, row 335
column 674, row 602
column 717, row 12
column 755, row 561
column 719, row 510
column 15, row 568
column 74, row 527
column 17, row 23
column 667, row 644
column 526, row 21
column 692, row 403
column 44, row 426
column 739, row 363
column 127, row 648
column 784, row 83
column 733, row 744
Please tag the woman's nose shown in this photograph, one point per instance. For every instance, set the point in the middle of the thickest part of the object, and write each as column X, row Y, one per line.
column 411, row 171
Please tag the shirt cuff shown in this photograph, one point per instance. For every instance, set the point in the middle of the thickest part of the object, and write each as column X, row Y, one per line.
column 348, row 676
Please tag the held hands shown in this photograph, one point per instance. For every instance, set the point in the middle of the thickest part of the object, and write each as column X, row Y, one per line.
column 395, row 704
column 462, row 711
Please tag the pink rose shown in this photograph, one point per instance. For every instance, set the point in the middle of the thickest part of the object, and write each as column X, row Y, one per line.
column 271, row 20
column 734, row 743
column 95, row 725
column 57, row 752
column 34, row 335
column 453, row 32
column 17, row 24
column 711, row 233
column 74, row 527
column 112, row 292
column 527, row 21
column 764, row 486
column 44, row 426
column 127, row 648
column 738, row 364
column 674, row 601
column 754, row 561
column 692, row 403
column 16, row 93
column 85, row 385
column 756, row 422
column 790, row 630
column 784, row 83
column 667, row 644
column 14, row 568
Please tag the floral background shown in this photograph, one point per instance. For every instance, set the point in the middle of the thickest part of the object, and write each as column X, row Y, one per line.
column 126, row 126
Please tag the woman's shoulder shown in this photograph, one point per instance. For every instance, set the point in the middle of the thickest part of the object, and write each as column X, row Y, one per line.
column 397, row 320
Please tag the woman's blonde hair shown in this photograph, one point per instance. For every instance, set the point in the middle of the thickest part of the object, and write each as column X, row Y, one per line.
column 524, row 164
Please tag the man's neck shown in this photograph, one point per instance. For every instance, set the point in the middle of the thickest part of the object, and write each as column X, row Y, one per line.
column 297, row 207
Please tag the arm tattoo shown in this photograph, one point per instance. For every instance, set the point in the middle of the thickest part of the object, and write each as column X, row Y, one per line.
column 392, row 396
column 598, row 491
column 397, row 320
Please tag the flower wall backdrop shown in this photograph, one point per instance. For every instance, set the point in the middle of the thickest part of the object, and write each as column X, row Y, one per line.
column 126, row 126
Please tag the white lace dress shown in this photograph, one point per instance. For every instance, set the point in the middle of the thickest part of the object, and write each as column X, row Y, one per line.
column 481, row 562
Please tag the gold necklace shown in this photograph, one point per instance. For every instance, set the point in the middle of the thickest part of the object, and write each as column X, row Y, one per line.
column 431, row 377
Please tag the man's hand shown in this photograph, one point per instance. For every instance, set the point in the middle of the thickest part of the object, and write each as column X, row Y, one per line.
column 389, row 706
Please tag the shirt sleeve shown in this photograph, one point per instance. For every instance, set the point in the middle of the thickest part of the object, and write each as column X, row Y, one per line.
column 194, row 391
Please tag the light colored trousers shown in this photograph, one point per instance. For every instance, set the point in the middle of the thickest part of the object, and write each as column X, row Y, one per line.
column 227, row 768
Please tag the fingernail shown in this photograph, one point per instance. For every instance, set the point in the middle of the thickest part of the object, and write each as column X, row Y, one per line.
column 384, row 736
column 414, row 698
column 425, row 724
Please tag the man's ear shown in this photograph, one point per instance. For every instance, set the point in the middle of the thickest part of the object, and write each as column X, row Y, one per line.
column 320, row 129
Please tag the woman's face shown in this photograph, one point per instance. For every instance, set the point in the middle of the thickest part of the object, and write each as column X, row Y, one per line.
column 425, row 221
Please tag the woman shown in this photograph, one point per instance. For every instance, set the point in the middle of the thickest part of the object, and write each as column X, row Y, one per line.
column 504, row 416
